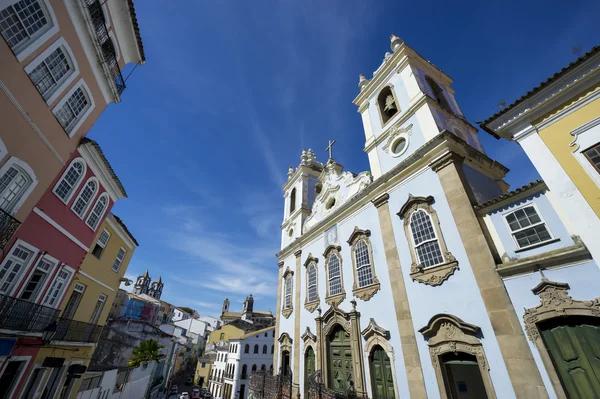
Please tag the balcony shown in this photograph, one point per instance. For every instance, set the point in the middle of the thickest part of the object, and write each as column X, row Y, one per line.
column 77, row 331
column 8, row 226
column 18, row 314
column 105, row 48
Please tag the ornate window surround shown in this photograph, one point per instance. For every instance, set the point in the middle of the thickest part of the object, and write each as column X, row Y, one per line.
column 310, row 340
column 446, row 333
column 334, row 300
column 286, row 312
column 433, row 275
column 555, row 301
column 368, row 291
column 285, row 344
column 374, row 336
column 312, row 305
column 379, row 110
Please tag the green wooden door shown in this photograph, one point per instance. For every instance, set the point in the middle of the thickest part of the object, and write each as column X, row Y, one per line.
column 309, row 369
column 340, row 361
column 574, row 346
column 382, row 380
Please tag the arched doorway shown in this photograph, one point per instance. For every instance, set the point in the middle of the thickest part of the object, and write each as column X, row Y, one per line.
column 285, row 363
column 382, row 379
column 340, row 360
column 309, row 368
column 573, row 344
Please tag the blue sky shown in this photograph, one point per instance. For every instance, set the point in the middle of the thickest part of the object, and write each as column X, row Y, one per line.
column 233, row 90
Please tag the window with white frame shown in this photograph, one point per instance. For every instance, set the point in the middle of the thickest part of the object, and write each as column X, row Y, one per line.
column 592, row 154
column 425, row 240
column 82, row 203
column 287, row 303
column 312, row 282
column 101, row 244
column 51, row 72
column 13, row 266
column 98, row 309
column 58, row 287
column 70, row 180
column 97, row 212
column 119, row 259
column 37, row 279
column 69, row 113
column 335, row 276
column 73, row 302
column 527, row 227
column 14, row 183
column 363, row 263
column 22, row 22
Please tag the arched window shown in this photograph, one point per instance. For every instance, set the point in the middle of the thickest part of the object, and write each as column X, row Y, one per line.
column 255, row 348
column 424, row 239
column 334, row 275
column 52, row 71
column 363, row 263
column 293, row 201
column 253, row 368
column 74, row 108
column 438, row 94
column 265, row 349
column 287, row 304
column 366, row 283
column 247, row 348
column 387, row 104
column 25, row 21
column 263, row 367
column 98, row 211
column 82, row 203
column 272, row 349
column 312, row 282
column 70, row 180
column 14, row 185
column 244, row 372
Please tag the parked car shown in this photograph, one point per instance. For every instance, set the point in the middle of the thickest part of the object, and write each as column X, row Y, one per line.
column 184, row 395
column 196, row 394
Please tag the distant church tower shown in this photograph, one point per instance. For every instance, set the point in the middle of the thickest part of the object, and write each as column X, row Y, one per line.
column 247, row 310
column 225, row 306
column 142, row 285
column 157, row 287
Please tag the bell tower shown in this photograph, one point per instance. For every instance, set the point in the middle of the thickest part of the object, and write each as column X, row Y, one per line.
column 407, row 102
column 157, row 288
column 142, row 285
column 300, row 190
column 225, row 306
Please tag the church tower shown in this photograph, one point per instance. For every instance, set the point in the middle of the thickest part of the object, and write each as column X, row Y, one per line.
column 157, row 287
column 225, row 306
column 407, row 103
column 300, row 191
column 248, row 308
column 142, row 285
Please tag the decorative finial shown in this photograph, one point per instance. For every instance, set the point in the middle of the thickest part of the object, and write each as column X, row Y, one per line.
column 395, row 42
column 353, row 303
column 319, row 311
column 362, row 81
column 290, row 172
column 303, row 157
column 311, row 156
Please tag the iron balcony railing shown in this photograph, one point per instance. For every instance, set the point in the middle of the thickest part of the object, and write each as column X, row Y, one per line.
column 8, row 226
column 107, row 46
column 77, row 331
column 18, row 314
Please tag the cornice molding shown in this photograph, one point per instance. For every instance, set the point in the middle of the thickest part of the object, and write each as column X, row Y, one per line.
column 120, row 232
column 96, row 163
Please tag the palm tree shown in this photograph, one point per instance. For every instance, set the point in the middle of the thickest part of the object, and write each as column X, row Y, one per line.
column 144, row 353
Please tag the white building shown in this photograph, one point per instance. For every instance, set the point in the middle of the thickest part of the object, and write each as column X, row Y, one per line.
column 179, row 314
column 235, row 363
column 403, row 281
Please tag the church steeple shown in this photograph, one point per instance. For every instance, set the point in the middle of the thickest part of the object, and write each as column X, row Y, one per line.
column 142, row 285
column 157, row 287
column 225, row 306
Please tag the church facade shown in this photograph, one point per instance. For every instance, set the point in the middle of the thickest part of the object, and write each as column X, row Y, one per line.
column 247, row 314
column 425, row 277
column 144, row 285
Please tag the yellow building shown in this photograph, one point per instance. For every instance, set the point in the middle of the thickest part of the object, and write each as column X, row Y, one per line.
column 116, row 305
column 89, row 297
column 228, row 331
column 558, row 125
column 203, row 367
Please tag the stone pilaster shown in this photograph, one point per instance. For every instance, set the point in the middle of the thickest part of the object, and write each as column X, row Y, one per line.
column 412, row 362
column 297, row 340
column 357, row 351
column 522, row 370
column 320, row 344
column 278, row 318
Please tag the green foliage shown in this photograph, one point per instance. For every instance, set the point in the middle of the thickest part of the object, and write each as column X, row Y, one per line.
column 145, row 352
column 187, row 310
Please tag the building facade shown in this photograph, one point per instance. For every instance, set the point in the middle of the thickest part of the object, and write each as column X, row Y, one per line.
column 248, row 313
column 558, row 125
column 417, row 235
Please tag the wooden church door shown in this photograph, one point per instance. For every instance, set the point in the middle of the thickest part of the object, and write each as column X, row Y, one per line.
column 382, row 380
column 340, row 361
column 574, row 347
column 309, row 369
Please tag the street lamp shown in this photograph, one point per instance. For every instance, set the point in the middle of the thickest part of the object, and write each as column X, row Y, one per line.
column 49, row 333
column 126, row 281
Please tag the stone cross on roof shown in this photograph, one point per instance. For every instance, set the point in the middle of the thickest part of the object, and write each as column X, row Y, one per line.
column 330, row 148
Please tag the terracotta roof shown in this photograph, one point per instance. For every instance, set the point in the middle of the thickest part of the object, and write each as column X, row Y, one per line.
column 541, row 86
column 136, row 29
column 85, row 140
column 510, row 194
column 118, row 219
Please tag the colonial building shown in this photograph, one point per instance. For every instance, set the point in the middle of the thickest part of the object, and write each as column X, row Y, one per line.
column 403, row 281
column 247, row 314
column 236, row 362
column 557, row 123
column 61, row 67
